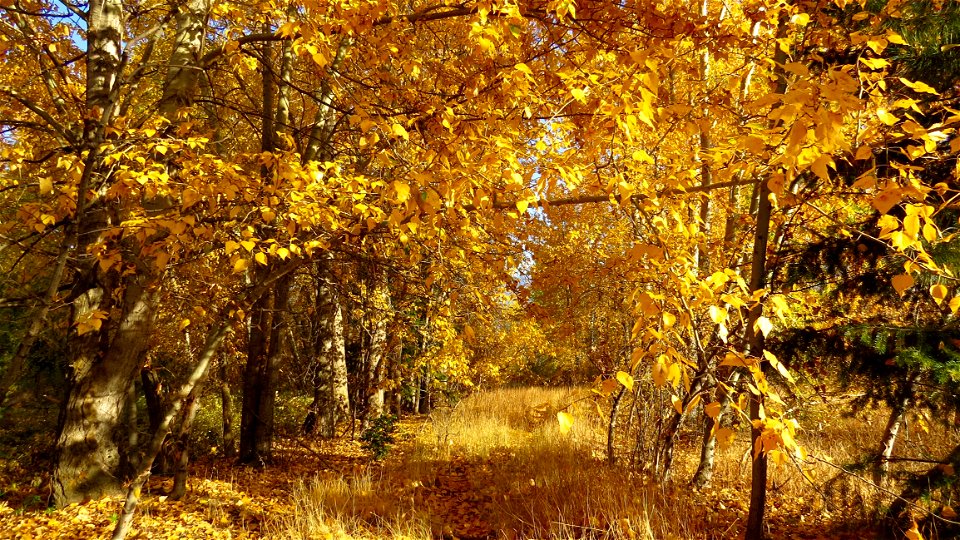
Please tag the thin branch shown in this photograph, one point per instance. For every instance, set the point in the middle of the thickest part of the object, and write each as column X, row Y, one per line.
column 63, row 132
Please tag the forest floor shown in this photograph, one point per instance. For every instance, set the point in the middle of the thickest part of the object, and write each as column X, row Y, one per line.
column 494, row 466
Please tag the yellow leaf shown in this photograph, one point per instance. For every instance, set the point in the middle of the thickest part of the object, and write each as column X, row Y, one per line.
column 781, row 308
column 608, row 386
column 954, row 304
column 46, row 185
column 677, row 404
column 930, row 233
column 579, row 94
column 764, row 325
column 399, row 131
column 230, row 246
column 902, row 282
column 669, row 319
column 694, row 402
column 939, row 293
column 712, row 409
column 522, row 205
column 886, row 117
column 268, row 215
column 566, row 421
column 736, row 360
column 643, row 156
column 725, row 437
column 248, row 245
column 189, row 197
column 895, row 38
column 88, row 326
column 718, row 314
column 874, row 63
column 887, row 199
column 184, row 323
column 261, row 258
column 283, row 253
column 919, row 87
column 913, row 533
column 469, row 333
column 800, row 19
column 864, row 152
column 819, row 167
column 240, row 265
column 402, row 189
column 91, row 321
column 625, row 379
column 660, row 373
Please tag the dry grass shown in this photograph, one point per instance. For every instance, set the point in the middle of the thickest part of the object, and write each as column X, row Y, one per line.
column 352, row 506
column 528, row 480
column 542, row 483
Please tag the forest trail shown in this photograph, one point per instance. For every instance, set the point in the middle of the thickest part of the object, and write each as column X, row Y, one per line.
column 458, row 508
column 441, row 482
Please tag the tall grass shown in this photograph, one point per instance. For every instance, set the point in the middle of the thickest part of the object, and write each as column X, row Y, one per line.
column 356, row 506
column 540, row 482
column 528, row 480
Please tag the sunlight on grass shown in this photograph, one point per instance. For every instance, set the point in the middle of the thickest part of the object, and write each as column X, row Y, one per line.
column 542, row 483
column 357, row 506
column 501, row 454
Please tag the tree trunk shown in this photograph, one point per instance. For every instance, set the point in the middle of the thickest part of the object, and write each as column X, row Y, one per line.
column 181, row 453
column 897, row 414
column 704, row 475
column 90, row 442
column 226, row 405
column 424, row 406
column 886, row 444
column 668, row 443
column 156, row 442
column 755, row 341
column 612, row 426
column 331, row 398
column 253, row 383
column 106, row 358
column 396, row 387
column 183, row 73
column 753, row 338
column 153, row 395
column 133, row 434
column 88, row 451
column 259, row 385
column 377, row 352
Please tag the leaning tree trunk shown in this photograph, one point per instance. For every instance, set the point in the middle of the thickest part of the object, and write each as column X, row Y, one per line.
column 612, row 426
column 897, row 414
column 188, row 389
column 704, row 475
